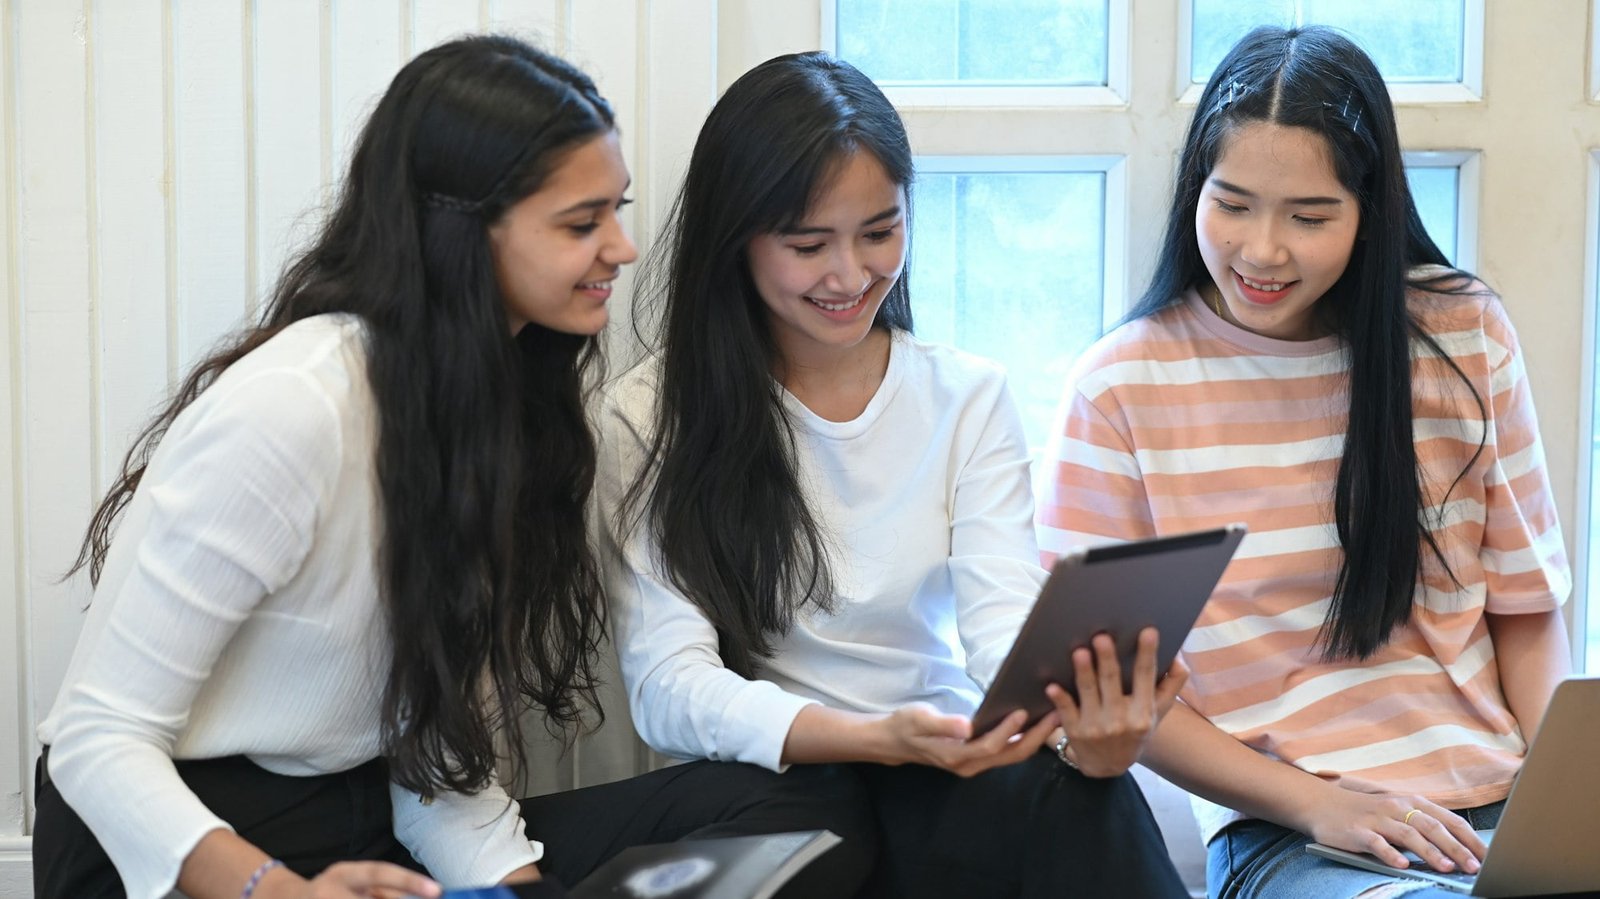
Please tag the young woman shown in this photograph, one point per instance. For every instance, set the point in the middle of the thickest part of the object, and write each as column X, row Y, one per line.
column 352, row 547
column 1305, row 361
column 824, row 524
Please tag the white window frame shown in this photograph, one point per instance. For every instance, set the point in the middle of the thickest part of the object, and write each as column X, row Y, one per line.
column 1113, row 93
column 1468, row 165
column 1402, row 93
column 1583, row 508
column 1594, row 56
column 1114, row 245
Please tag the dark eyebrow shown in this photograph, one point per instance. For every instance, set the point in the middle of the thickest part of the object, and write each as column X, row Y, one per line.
column 596, row 204
column 587, row 205
column 1292, row 201
column 889, row 213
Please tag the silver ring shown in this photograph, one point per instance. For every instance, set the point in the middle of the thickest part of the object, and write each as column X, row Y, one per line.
column 1061, row 751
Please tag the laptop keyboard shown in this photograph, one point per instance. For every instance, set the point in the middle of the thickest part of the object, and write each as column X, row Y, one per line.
column 1417, row 864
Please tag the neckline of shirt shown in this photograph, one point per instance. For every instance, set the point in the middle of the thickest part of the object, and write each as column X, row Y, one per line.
column 1249, row 340
column 900, row 342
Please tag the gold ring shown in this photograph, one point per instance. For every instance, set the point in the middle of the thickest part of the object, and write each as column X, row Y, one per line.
column 1407, row 819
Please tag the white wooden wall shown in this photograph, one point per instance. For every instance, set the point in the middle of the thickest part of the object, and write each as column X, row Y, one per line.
column 160, row 159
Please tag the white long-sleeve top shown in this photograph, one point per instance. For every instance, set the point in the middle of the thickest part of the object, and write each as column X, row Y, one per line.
column 925, row 498
column 238, row 614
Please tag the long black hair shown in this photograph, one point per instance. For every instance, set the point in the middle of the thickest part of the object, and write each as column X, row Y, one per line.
column 484, row 458
column 724, row 503
column 1316, row 79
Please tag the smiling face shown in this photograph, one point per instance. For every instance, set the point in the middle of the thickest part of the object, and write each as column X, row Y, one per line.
column 1276, row 228
column 557, row 250
column 823, row 280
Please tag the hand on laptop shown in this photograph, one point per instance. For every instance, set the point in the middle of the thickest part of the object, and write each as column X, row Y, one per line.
column 1376, row 823
column 1107, row 730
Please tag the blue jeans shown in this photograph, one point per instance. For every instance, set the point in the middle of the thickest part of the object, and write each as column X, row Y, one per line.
column 1257, row 860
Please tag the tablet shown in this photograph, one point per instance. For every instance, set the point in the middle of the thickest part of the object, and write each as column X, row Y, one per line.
column 1120, row 589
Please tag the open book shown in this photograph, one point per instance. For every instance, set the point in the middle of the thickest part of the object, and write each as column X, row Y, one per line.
column 752, row 867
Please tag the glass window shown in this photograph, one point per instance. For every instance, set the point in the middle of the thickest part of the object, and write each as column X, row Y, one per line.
column 1011, row 265
column 1436, row 190
column 1589, row 658
column 1415, row 41
column 967, row 42
column 1589, row 639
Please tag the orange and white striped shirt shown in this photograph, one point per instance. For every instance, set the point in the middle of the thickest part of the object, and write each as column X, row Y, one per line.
column 1181, row 421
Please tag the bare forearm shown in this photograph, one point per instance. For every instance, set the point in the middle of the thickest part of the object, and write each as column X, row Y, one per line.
column 222, row 862
column 913, row 734
column 524, row 874
column 821, row 734
column 1194, row 754
column 1533, row 654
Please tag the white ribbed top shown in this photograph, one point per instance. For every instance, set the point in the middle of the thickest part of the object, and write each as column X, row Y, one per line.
column 238, row 614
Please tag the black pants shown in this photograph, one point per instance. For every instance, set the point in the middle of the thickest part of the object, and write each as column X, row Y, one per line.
column 307, row 822
column 1033, row 829
column 312, row 822
column 581, row 829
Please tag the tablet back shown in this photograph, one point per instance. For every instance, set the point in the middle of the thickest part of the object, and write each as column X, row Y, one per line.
column 1120, row 589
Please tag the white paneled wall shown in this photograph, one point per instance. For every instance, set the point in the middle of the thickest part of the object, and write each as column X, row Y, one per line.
column 161, row 160
column 14, row 638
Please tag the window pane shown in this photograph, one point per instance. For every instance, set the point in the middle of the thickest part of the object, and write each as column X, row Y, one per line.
column 979, row 42
column 1590, row 657
column 1436, row 189
column 1419, row 40
column 1010, row 265
column 1219, row 23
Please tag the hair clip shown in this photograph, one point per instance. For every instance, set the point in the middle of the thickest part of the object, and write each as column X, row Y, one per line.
column 1235, row 91
column 1344, row 111
column 452, row 204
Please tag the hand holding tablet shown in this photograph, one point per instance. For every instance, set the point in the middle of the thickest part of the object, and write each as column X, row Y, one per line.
column 1117, row 592
column 1103, row 729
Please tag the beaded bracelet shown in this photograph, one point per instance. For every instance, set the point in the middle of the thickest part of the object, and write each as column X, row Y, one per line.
column 255, row 879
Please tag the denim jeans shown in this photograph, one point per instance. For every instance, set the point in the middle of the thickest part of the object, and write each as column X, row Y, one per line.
column 1257, row 860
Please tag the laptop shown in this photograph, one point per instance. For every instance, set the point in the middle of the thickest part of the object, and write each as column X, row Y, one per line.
column 1119, row 589
column 1544, row 843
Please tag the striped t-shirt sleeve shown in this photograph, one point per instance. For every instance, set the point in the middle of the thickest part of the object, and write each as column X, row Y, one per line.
column 1524, row 560
column 1090, row 489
